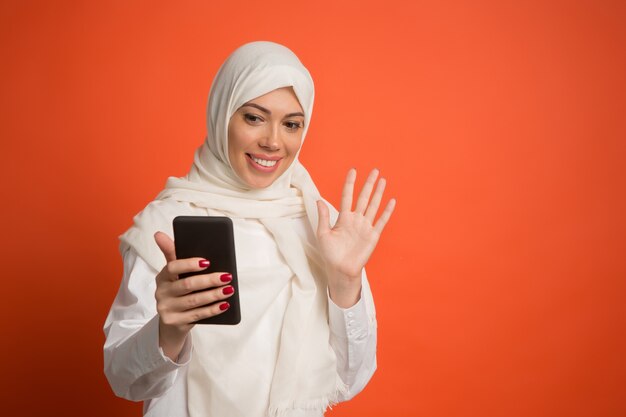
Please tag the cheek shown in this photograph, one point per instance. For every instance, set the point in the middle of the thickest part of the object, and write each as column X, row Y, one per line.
column 231, row 140
column 294, row 146
column 236, row 142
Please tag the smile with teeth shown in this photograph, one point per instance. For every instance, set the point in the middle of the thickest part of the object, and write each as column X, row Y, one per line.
column 263, row 162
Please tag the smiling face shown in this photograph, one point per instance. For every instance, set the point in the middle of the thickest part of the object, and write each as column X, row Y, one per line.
column 264, row 136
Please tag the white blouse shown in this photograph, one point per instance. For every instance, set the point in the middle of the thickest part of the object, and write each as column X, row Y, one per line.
column 138, row 370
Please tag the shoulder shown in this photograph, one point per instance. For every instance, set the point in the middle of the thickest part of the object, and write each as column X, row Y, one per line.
column 155, row 217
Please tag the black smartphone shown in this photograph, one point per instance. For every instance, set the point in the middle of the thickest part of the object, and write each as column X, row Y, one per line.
column 211, row 238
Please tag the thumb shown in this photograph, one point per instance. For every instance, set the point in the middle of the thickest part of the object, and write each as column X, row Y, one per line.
column 323, row 221
column 166, row 244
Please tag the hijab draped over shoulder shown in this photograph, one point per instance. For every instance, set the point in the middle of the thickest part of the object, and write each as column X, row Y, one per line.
column 304, row 380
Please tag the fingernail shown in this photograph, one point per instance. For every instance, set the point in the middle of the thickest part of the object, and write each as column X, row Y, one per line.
column 204, row 263
column 224, row 306
column 228, row 290
column 226, row 277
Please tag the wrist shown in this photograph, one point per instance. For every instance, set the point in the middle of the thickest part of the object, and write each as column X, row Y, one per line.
column 344, row 293
column 171, row 340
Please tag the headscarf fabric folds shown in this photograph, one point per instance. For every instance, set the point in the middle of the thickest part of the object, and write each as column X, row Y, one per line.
column 304, row 380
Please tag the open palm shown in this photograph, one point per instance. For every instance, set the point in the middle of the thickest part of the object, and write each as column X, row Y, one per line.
column 347, row 246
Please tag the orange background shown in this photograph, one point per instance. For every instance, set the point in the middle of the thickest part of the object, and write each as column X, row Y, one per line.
column 500, row 281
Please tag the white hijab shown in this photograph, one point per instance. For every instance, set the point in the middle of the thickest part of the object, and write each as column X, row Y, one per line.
column 305, row 379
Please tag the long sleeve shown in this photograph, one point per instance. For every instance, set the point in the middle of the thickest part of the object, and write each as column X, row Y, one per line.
column 138, row 370
column 134, row 363
column 353, row 338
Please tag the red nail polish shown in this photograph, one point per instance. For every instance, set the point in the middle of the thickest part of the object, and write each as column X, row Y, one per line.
column 224, row 306
column 228, row 290
column 226, row 277
column 204, row 263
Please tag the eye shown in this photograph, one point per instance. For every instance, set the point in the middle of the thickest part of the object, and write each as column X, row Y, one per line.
column 292, row 126
column 252, row 118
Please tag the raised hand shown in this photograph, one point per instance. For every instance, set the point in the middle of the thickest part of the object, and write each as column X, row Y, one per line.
column 348, row 245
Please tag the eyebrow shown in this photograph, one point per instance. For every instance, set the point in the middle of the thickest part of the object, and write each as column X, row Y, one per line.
column 267, row 111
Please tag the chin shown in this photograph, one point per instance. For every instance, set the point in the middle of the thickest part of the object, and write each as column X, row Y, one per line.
column 258, row 180
column 259, row 183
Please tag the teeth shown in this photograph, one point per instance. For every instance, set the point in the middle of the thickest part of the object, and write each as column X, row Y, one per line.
column 263, row 162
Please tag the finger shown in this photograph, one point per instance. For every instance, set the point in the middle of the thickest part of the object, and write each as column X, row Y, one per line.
column 372, row 209
column 323, row 220
column 200, row 313
column 199, row 283
column 173, row 269
column 348, row 191
column 202, row 298
column 364, row 196
column 166, row 244
column 384, row 218
column 182, row 266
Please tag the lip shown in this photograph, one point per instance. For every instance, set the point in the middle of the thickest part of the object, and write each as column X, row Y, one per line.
column 261, row 167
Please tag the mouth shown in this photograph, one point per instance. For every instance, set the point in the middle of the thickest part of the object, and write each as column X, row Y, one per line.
column 264, row 164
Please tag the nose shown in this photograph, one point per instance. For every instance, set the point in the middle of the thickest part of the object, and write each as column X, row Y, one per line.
column 271, row 139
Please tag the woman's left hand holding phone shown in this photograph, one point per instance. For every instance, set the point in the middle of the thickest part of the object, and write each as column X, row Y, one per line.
column 182, row 302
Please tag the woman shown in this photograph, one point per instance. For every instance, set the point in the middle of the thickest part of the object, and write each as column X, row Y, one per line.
column 307, row 336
